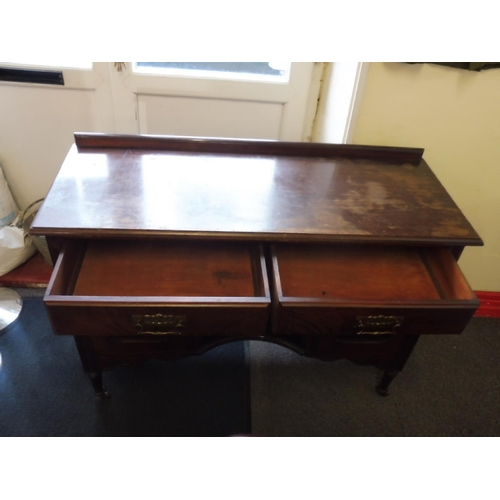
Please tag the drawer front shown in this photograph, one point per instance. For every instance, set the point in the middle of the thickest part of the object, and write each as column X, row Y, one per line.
column 368, row 291
column 159, row 321
column 369, row 322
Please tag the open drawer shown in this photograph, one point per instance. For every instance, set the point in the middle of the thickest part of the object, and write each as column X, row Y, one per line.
column 159, row 287
column 368, row 290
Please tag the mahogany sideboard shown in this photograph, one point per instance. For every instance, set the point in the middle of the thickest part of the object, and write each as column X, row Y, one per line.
column 166, row 247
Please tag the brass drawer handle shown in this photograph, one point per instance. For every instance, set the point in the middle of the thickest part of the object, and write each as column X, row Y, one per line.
column 159, row 324
column 378, row 325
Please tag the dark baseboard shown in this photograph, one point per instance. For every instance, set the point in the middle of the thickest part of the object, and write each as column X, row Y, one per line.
column 490, row 304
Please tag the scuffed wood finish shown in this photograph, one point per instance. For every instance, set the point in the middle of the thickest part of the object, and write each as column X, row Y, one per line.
column 322, row 193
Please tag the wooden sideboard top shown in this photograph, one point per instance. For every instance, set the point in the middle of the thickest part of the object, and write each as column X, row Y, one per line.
column 139, row 186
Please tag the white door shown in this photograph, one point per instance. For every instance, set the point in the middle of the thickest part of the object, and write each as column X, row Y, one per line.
column 213, row 103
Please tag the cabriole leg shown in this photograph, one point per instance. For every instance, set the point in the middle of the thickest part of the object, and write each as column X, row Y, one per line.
column 387, row 378
column 91, row 365
column 397, row 364
column 96, row 380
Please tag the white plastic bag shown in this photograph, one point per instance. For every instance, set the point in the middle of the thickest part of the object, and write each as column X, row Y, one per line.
column 8, row 207
column 16, row 247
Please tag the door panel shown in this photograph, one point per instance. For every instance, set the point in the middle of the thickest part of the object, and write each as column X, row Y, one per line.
column 188, row 116
column 218, row 107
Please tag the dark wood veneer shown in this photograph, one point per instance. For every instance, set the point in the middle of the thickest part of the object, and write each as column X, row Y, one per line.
column 169, row 246
column 245, row 147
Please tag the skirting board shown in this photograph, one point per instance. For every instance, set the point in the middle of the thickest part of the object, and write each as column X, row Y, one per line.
column 489, row 304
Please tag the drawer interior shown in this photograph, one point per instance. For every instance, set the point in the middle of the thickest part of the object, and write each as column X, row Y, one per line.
column 162, row 268
column 350, row 272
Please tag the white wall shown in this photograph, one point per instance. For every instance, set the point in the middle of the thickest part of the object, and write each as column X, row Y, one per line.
column 337, row 107
column 36, row 132
column 455, row 116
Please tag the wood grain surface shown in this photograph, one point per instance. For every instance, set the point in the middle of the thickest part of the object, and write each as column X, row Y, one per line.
column 354, row 272
column 315, row 194
column 166, row 268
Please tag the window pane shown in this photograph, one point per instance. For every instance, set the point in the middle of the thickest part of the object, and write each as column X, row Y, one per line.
column 230, row 70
